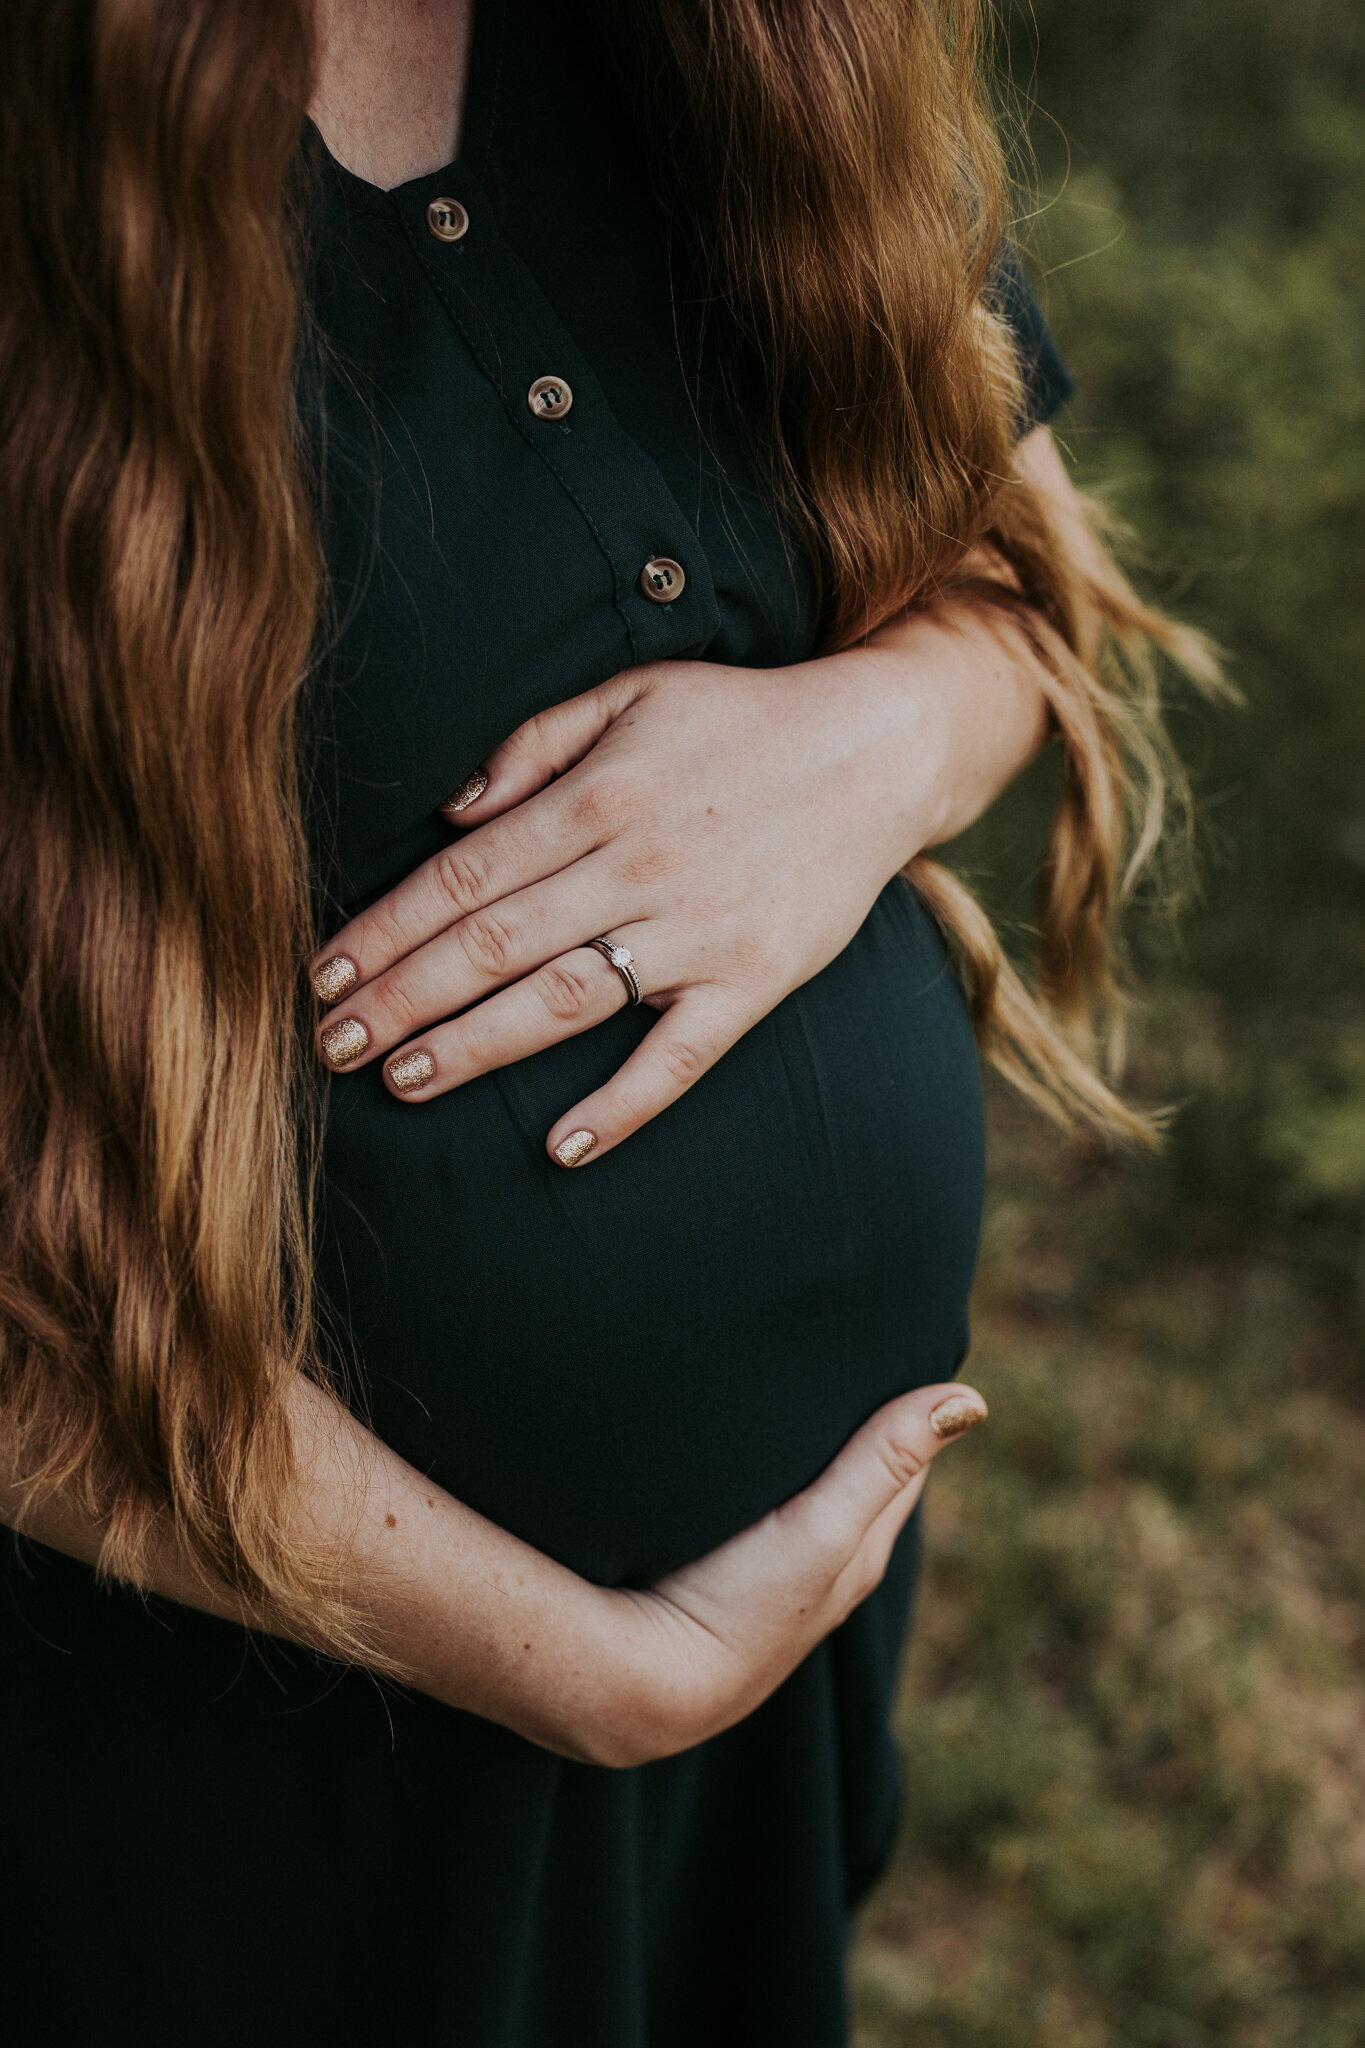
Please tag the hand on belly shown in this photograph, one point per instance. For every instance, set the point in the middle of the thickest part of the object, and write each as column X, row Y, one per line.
column 699, row 838
column 627, row 1366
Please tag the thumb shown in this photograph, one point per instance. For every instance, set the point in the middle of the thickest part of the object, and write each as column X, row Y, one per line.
column 877, row 1477
column 546, row 746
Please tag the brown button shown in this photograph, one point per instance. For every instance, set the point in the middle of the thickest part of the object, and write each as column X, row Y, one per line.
column 446, row 219
column 662, row 579
column 549, row 398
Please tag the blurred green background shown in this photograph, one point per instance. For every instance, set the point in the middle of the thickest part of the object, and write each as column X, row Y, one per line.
column 1134, row 1716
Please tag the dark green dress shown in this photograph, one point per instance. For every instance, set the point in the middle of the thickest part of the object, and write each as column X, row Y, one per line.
column 211, row 1842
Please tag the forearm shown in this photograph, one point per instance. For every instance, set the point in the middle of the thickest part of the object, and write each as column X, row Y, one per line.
column 475, row 1617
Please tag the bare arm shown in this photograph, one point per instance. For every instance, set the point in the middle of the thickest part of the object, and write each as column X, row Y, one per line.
column 441, row 1583
column 482, row 1621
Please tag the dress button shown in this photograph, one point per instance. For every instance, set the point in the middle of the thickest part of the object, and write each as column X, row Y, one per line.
column 549, row 398
column 446, row 219
column 662, row 579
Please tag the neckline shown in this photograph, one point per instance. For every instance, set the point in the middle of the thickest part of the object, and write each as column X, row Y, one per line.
column 482, row 13
column 387, row 195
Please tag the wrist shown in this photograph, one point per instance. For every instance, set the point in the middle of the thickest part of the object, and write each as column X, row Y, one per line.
column 660, row 1684
column 905, row 732
column 638, row 1707
column 977, row 710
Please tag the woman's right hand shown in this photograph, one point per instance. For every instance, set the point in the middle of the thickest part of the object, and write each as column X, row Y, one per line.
column 706, row 1645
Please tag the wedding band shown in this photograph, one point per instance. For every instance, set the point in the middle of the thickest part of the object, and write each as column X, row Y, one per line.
column 623, row 960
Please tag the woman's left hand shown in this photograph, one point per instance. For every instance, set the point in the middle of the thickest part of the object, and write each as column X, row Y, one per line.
column 732, row 827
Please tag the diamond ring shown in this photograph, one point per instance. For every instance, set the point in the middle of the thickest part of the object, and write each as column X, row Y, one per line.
column 623, row 960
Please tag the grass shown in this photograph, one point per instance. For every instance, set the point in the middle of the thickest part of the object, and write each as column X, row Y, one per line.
column 1133, row 1721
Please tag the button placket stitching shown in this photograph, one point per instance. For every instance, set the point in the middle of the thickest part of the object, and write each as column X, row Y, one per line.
column 529, row 438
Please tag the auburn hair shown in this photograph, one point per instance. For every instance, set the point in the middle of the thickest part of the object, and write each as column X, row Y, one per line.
column 845, row 194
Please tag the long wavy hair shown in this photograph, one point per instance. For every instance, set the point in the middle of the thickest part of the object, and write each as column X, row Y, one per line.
column 836, row 166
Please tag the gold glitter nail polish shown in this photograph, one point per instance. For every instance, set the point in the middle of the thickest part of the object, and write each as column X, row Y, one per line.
column 576, row 1146
column 473, row 786
column 334, row 978
column 956, row 1415
column 345, row 1040
column 411, row 1070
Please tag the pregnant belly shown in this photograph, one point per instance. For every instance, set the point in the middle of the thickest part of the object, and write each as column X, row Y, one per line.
column 627, row 1363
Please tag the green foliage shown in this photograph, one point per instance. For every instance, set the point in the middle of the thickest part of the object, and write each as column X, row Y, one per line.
column 1319, row 1132
column 1133, row 1724
column 1134, row 1719
column 1200, row 234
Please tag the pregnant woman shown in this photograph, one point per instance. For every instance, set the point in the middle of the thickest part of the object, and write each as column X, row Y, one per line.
column 530, row 524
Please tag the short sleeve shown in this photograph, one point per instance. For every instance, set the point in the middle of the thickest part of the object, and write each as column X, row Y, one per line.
column 1046, row 379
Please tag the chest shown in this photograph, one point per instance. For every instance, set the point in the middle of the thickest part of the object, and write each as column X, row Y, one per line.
column 518, row 423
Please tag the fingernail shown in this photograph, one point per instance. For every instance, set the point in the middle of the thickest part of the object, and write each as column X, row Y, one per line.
column 411, row 1070
column 576, row 1146
column 334, row 977
column 345, row 1040
column 473, row 786
column 958, row 1414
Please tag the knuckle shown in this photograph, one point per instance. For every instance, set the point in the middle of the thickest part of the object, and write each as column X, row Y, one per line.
column 601, row 808
column 653, row 862
column 531, row 742
column 487, row 942
column 384, row 931
column 471, row 1050
column 902, row 1459
column 396, row 1006
column 564, row 992
column 681, row 1059
column 633, row 1106
column 463, row 877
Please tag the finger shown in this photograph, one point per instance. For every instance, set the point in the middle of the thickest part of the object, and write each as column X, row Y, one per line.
column 690, row 1037
column 509, row 854
column 560, row 999
column 866, row 1569
column 468, row 961
column 546, row 746
column 873, row 1484
column 828, row 1546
